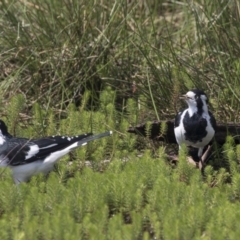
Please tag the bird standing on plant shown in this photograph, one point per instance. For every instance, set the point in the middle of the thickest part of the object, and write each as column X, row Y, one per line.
column 28, row 157
column 195, row 126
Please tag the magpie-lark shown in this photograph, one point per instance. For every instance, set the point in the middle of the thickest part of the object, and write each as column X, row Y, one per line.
column 28, row 157
column 195, row 126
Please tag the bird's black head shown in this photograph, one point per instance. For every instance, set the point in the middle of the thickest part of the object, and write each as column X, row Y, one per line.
column 198, row 94
column 3, row 128
column 200, row 97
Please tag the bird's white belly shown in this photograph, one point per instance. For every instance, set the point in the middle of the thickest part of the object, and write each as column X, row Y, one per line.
column 23, row 173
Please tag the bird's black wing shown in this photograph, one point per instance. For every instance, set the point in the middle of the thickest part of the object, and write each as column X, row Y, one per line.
column 19, row 151
column 195, row 127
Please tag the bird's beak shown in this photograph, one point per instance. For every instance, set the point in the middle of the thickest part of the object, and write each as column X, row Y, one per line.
column 183, row 97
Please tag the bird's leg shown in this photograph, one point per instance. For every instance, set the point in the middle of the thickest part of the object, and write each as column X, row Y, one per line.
column 200, row 153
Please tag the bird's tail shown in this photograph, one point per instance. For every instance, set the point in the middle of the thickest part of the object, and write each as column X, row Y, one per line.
column 94, row 137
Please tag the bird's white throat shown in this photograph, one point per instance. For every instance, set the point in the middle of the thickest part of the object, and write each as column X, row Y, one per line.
column 192, row 108
column 2, row 138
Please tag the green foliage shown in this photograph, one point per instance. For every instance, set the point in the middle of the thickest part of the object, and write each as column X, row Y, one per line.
column 185, row 170
column 138, row 197
column 135, row 196
column 66, row 52
column 148, row 128
column 141, row 198
column 15, row 107
column 163, row 129
column 51, row 123
column 132, row 110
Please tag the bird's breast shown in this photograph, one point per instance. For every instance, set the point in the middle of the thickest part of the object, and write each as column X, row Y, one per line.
column 195, row 130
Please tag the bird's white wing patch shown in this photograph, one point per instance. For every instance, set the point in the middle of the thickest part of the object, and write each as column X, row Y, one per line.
column 2, row 139
column 34, row 149
column 54, row 156
column 49, row 146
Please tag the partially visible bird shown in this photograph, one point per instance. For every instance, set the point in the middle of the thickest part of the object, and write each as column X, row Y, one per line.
column 195, row 126
column 28, row 157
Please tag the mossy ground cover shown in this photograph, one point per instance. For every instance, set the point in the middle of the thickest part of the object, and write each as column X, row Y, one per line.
column 127, row 192
column 71, row 66
column 143, row 198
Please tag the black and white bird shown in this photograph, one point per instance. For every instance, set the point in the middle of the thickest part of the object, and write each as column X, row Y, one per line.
column 28, row 157
column 195, row 126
